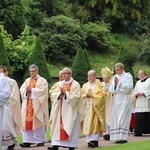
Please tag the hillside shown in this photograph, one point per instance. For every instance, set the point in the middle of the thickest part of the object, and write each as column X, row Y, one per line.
column 98, row 61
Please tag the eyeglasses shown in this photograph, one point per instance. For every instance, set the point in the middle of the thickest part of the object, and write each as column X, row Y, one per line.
column 66, row 73
column 32, row 70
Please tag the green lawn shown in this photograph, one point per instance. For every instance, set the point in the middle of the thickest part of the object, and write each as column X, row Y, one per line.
column 140, row 145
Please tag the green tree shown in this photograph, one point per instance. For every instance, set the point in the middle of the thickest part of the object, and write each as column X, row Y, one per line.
column 12, row 16
column 128, row 58
column 38, row 59
column 80, row 67
column 4, row 59
column 119, row 13
column 97, row 38
column 61, row 37
column 87, row 60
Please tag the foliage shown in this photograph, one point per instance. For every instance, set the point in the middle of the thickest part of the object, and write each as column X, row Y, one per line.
column 12, row 16
column 23, row 47
column 38, row 59
column 120, row 14
column 61, row 37
column 128, row 58
column 87, row 60
column 4, row 59
column 80, row 67
column 144, row 54
column 97, row 36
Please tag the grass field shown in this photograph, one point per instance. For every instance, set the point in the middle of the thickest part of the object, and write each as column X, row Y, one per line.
column 140, row 145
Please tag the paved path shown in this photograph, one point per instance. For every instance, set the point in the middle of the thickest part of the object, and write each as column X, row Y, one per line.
column 83, row 146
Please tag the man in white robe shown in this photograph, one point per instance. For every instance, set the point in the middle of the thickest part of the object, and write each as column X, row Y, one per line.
column 4, row 97
column 66, row 113
column 35, row 116
column 121, row 87
column 9, row 133
column 142, row 106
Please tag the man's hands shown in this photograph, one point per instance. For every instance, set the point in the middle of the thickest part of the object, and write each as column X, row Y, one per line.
column 89, row 95
column 28, row 89
column 63, row 92
column 116, row 80
column 139, row 93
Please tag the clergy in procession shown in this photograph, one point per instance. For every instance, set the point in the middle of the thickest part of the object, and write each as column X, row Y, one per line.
column 34, row 94
column 93, row 95
column 121, row 87
column 67, row 112
column 4, row 97
column 106, row 74
column 142, row 106
column 9, row 133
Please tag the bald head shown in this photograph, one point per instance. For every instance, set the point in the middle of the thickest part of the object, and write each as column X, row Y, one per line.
column 92, row 76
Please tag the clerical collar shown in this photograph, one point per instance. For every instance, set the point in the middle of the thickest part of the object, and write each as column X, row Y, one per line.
column 121, row 74
column 35, row 77
column 69, row 81
column 143, row 80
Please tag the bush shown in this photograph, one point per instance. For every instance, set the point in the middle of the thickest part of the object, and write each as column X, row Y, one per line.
column 97, row 36
column 61, row 37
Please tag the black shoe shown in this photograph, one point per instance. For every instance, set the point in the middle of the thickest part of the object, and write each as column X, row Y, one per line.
column 121, row 141
column 40, row 144
column 53, row 148
column 11, row 147
column 71, row 148
column 106, row 137
column 91, row 144
column 136, row 134
column 95, row 143
column 25, row 145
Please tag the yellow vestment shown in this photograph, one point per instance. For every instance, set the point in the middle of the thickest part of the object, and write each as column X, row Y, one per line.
column 94, row 121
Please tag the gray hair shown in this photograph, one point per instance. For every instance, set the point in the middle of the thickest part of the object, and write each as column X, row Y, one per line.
column 33, row 66
column 69, row 70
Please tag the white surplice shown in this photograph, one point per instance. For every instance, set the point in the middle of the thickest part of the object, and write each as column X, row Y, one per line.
column 121, row 110
column 4, row 97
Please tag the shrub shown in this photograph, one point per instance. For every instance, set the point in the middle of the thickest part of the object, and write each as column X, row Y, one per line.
column 61, row 37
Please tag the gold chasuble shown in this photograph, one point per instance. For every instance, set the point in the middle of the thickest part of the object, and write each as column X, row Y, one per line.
column 94, row 121
column 63, row 134
column 29, row 109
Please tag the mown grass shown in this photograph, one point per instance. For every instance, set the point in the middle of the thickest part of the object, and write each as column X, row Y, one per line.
column 140, row 145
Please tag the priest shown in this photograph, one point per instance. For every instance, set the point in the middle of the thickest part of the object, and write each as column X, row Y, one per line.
column 93, row 95
column 35, row 116
column 142, row 106
column 67, row 112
